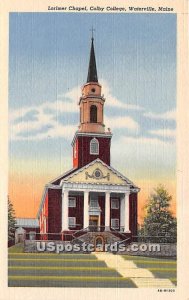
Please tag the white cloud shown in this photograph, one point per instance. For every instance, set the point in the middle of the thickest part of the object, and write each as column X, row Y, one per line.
column 164, row 132
column 153, row 156
column 21, row 128
column 113, row 101
column 168, row 115
column 121, row 122
column 45, row 121
column 74, row 94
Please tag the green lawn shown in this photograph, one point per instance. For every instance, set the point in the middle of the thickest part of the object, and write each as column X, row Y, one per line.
column 62, row 270
column 160, row 267
column 77, row 270
column 19, row 248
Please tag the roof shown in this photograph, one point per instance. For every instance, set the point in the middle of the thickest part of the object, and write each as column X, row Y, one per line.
column 57, row 180
column 54, row 184
column 92, row 71
column 26, row 222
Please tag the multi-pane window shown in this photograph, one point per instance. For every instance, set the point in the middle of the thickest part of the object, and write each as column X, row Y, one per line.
column 71, row 222
column 115, row 223
column 94, row 147
column 72, row 202
column 115, row 203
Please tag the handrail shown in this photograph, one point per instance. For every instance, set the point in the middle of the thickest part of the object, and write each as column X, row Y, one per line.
column 122, row 241
column 87, row 229
column 118, row 232
column 81, row 230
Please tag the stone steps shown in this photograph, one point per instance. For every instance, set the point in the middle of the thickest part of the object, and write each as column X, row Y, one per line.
column 141, row 277
column 89, row 237
column 153, row 283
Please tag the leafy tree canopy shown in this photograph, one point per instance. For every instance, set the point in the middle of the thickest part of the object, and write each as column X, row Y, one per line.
column 11, row 221
column 159, row 223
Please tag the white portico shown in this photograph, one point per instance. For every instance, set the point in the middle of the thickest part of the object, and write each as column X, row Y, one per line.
column 111, row 210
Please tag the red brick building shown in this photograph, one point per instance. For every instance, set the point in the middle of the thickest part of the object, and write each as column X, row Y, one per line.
column 92, row 196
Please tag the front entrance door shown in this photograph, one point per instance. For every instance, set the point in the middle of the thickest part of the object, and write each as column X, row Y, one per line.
column 99, row 244
column 93, row 223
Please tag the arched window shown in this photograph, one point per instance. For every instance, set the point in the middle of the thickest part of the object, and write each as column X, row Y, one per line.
column 94, row 147
column 93, row 114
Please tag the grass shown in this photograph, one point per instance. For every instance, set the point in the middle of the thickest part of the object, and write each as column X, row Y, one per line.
column 67, row 278
column 77, row 270
column 147, row 258
column 56, row 262
column 72, row 282
column 51, row 259
column 160, row 267
column 53, row 255
column 62, row 270
column 17, row 249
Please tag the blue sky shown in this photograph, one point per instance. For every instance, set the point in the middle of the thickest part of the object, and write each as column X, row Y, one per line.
column 136, row 63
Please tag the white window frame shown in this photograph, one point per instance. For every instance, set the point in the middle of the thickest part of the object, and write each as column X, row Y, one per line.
column 92, row 142
column 114, row 206
column 74, row 223
column 112, row 225
column 72, row 199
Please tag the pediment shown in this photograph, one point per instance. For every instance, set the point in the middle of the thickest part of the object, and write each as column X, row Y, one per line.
column 97, row 172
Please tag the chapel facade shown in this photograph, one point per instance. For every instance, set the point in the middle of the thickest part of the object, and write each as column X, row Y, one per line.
column 92, row 196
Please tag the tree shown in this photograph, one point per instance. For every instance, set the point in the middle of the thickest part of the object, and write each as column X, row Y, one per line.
column 11, row 221
column 159, row 224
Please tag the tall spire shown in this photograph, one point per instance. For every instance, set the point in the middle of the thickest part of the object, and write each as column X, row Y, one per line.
column 92, row 72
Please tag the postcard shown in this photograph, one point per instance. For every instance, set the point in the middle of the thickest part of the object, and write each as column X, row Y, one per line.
column 94, row 156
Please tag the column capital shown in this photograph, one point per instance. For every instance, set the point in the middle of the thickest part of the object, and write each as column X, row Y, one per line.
column 86, row 191
column 127, row 193
column 65, row 190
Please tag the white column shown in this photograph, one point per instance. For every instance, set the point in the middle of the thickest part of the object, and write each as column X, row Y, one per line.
column 122, row 212
column 86, row 210
column 65, row 210
column 126, row 212
column 107, row 211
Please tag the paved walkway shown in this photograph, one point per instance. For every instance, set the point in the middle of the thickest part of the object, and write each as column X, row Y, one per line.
column 127, row 268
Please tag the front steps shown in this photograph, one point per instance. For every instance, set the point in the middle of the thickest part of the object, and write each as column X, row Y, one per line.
column 141, row 277
column 153, row 283
column 89, row 237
